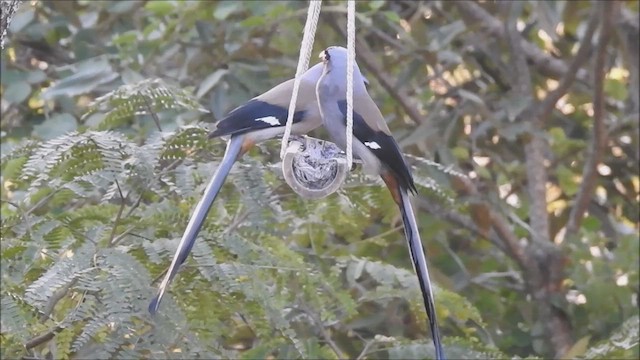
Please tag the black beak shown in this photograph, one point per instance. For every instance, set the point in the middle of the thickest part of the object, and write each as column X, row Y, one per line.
column 324, row 55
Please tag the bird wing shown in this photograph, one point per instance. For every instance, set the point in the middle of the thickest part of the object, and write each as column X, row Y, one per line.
column 270, row 110
column 375, row 135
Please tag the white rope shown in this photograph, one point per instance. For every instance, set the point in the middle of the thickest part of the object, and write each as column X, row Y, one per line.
column 351, row 58
column 306, row 48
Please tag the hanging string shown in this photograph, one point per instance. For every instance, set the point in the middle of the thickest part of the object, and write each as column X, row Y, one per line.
column 313, row 13
column 351, row 59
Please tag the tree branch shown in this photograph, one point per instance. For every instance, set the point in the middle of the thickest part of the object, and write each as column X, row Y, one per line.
column 323, row 332
column 55, row 298
column 581, row 57
column 472, row 13
column 543, row 260
column 366, row 57
column 599, row 137
column 521, row 75
column 43, row 338
column 534, row 148
column 460, row 220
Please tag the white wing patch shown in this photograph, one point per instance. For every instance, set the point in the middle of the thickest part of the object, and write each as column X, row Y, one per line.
column 271, row 120
column 372, row 145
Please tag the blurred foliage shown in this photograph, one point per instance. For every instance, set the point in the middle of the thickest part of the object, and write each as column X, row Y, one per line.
column 104, row 155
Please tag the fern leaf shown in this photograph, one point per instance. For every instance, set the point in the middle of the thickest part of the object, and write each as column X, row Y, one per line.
column 148, row 96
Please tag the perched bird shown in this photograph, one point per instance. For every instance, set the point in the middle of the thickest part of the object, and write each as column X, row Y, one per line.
column 380, row 154
column 261, row 118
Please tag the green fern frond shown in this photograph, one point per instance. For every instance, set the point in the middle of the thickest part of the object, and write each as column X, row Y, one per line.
column 449, row 170
column 78, row 156
column 620, row 344
column 23, row 148
column 456, row 349
column 388, row 277
column 61, row 274
column 89, row 330
column 15, row 318
column 143, row 98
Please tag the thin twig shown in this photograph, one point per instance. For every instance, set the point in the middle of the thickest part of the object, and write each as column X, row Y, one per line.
column 383, row 234
column 153, row 114
column 43, row 338
column 521, row 83
column 55, row 298
column 43, row 200
column 134, row 206
column 120, row 210
column 121, row 236
column 24, row 215
column 367, row 58
column 581, row 57
column 365, row 350
column 473, row 13
column 323, row 332
column 599, row 136
column 246, row 322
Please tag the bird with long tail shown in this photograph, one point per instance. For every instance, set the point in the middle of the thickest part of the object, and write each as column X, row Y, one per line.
column 261, row 118
column 373, row 144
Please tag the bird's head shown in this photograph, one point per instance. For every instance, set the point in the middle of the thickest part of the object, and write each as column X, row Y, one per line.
column 334, row 60
column 334, row 56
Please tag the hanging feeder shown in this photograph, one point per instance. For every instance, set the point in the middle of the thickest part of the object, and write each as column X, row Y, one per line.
column 314, row 168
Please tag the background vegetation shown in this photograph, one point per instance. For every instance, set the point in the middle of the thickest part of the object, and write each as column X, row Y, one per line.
column 105, row 106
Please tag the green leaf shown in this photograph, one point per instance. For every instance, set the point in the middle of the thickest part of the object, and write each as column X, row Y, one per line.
column 445, row 34
column 567, row 181
column 210, row 81
column 374, row 5
column 392, row 16
column 253, row 21
column 90, row 75
column 126, row 38
column 36, row 76
column 617, row 89
column 17, row 92
column 578, row 349
column 591, row 224
column 13, row 168
column 226, row 8
column 161, row 7
column 21, row 19
column 471, row 96
column 11, row 76
column 56, row 125
column 121, row 7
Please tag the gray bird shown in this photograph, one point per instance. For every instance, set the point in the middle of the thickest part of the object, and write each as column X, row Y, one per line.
column 380, row 154
column 261, row 118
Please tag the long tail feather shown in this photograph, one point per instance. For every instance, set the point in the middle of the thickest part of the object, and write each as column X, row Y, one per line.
column 234, row 148
column 420, row 265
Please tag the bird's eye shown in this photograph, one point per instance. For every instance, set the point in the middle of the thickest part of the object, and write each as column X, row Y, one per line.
column 326, row 56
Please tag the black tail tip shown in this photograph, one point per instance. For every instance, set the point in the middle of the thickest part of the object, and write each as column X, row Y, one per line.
column 154, row 305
